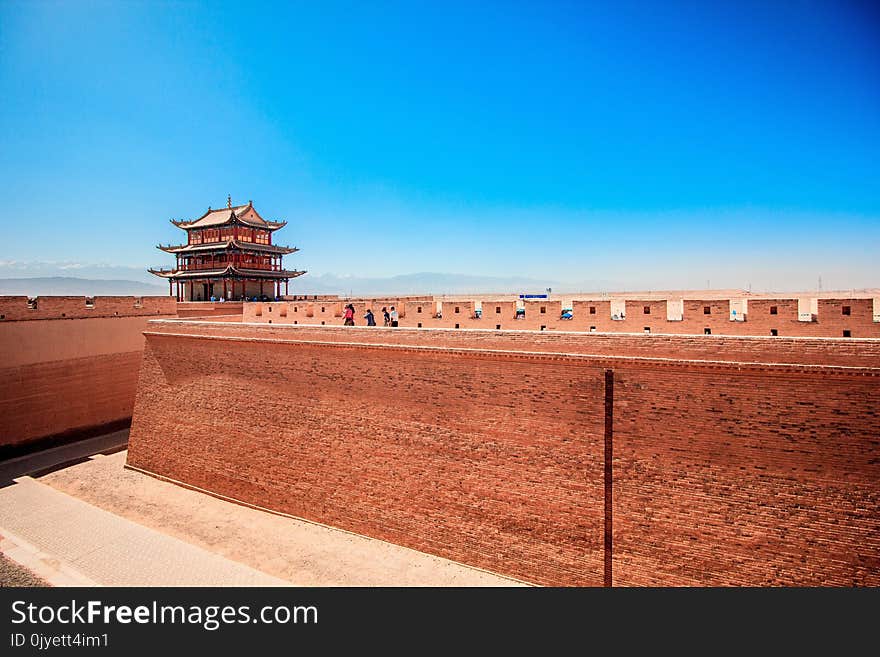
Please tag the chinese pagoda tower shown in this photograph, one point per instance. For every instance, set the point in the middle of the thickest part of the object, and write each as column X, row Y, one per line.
column 229, row 254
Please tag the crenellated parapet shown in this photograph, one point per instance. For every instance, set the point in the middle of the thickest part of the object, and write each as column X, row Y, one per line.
column 20, row 308
column 779, row 317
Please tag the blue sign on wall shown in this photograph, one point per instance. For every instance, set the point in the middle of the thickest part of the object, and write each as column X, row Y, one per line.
column 532, row 296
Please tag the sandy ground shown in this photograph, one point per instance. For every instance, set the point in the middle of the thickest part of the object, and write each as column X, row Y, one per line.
column 12, row 574
column 303, row 553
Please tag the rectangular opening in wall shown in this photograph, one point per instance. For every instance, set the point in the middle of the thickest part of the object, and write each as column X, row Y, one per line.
column 90, row 302
column 458, row 310
column 456, row 326
column 847, row 310
column 592, row 329
column 774, row 310
column 543, row 327
column 322, row 323
column 847, row 333
column 295, row 309
column 418, row 309
column 295, row 322
column 543, row 310
column 270, row 308
column 707, row 310
column 498, row 327
column 647, row 310
column 322, row 310
column 707, row 331
column 32, row 304
column 419, row 325
column 592, row 310
column 774, row 332
column 647, row 329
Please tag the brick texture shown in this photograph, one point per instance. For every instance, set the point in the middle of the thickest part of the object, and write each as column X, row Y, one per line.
column 745, row 478
column 446, row 452
column 55, row 397
column 758, row 320
column 230, row 310
column 16, row 308
column 740, row 461
column 61, row 375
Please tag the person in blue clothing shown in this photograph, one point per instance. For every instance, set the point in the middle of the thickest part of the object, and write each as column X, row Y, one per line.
column 371, row 321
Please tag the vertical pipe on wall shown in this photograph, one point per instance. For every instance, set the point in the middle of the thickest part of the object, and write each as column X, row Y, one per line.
column 609, row 455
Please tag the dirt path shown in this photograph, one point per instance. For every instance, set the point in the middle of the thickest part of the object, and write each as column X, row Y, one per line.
column 300, row 552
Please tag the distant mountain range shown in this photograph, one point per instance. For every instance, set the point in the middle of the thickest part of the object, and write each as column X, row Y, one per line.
column 66, row 286
column 420, row 283
column 407, row 284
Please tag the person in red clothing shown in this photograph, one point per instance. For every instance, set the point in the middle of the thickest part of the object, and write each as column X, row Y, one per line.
column 349, row 315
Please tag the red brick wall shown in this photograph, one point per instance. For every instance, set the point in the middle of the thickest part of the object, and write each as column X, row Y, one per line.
column 636, row 319
column 208, row 309
column 51, row 398
column 487, row 447
column 584, row 320
column 829, row 321
column 760, row 320
column 456, row 454
column 758, row 477
column 14, row 308
column 806, row 351
column 59, row 376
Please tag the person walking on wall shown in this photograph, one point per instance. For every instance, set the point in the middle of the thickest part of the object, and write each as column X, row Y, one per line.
column 394, row 316
column 349, row 315
column 371, row 321
column 386, row 316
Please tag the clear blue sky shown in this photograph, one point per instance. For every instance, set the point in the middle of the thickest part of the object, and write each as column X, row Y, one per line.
column 656, row 144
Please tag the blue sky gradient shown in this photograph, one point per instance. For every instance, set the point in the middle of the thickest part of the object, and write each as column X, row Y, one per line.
column 655, row 145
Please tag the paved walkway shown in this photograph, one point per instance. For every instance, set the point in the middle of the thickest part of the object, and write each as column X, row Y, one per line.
column 74, row 516
column 55, row 456
column 70, row 542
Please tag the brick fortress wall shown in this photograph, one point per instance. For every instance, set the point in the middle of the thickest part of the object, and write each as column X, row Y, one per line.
column 734, row 460
column 228, row 311
column 754, row 317
column 68, row 367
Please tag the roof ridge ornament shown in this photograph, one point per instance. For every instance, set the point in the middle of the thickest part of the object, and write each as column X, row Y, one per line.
column 229, row 201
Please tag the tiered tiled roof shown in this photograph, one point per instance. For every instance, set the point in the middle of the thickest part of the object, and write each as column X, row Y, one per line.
column 228, row 216
column 226, row 271
column 229, row 244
